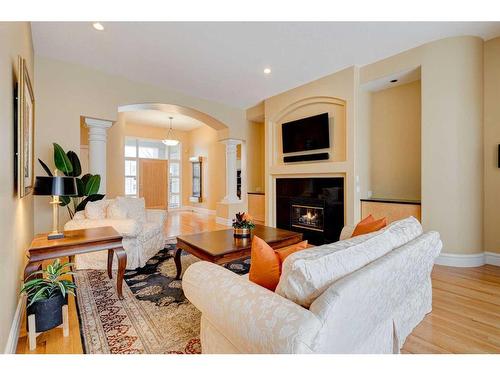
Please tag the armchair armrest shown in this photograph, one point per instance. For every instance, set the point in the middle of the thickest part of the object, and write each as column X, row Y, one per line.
column 252, row 318
column 156, row 216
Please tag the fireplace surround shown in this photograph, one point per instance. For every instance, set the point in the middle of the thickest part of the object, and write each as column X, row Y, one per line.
column 313, row 206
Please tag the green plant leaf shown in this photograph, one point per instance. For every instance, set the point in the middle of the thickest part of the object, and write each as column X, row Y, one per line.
column 61, row 160
column 38, row 296
column 45, row 168
column 92, row 185
column 75, row 162
column 90, row 198
column 64, row 201
column 85, row 178
column 80, row 187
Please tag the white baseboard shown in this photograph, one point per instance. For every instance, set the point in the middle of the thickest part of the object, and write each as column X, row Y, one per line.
column 11, row 346
column 223, row 221
column 468, row 260
column 199, row 210
column 492, row 258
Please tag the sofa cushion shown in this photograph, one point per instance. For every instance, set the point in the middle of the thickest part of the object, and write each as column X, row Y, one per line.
column 307, row 274
column 116, row 210
column 135, row 207
column 96, row 210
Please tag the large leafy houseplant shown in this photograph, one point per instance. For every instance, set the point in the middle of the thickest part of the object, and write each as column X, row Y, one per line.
column 47, row 291
column 87, row 185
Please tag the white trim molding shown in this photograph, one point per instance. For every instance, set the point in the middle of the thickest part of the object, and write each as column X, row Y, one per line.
column 199, row 210
column 468, row 260
column 224, row 221
column 11, row 345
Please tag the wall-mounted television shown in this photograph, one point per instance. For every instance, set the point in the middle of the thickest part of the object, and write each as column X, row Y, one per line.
column 310, row 133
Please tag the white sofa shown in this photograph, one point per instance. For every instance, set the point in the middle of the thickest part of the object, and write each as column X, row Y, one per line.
column 360, row 295
column 142, row 230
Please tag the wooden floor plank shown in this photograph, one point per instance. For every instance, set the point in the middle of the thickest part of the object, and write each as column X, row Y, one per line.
column 465, row 316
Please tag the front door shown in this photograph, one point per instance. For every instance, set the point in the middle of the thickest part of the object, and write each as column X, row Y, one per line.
column 153, row 182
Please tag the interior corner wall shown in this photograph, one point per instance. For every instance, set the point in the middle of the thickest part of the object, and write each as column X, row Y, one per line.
column 16, row 218
column 203, row 141
column 491, row 142
column 255, row 153
column 66, row 91
column 395, row 142
column 452, row 136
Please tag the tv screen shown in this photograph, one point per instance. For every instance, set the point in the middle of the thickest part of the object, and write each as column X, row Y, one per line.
column 310, row 133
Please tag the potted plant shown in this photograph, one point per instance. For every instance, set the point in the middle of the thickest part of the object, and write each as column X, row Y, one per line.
column 87, row 185
column 243, row 225
column 48, row 294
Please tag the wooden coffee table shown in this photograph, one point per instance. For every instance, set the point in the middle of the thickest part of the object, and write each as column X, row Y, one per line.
column 221, row 247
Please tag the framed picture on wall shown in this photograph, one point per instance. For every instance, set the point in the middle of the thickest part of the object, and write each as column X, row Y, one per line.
column 196, row 179
column 25, row 118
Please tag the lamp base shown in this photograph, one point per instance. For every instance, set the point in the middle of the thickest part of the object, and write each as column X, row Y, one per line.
column 55, row 236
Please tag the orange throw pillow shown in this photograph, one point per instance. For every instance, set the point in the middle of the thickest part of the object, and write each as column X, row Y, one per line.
column 265, row 263
column 289, row 250
column 369, row 227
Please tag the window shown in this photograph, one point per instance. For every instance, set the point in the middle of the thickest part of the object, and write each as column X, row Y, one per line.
column 136, row 149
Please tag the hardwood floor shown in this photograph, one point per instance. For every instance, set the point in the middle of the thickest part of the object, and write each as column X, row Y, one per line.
column 465, row 316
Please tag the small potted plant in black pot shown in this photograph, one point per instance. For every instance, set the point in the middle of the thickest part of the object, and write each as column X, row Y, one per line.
column 48, row 294
column 243, row 225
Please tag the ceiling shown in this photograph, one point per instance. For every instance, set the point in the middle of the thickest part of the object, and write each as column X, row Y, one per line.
column 224, row 61
column 152, row 117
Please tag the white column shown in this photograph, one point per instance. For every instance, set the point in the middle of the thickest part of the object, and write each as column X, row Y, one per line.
column 97, row 148
column 231, row 189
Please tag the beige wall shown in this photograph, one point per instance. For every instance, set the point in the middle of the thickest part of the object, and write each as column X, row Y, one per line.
column 335, row 94
column 256, row 155
column 16, row 220
column 395, row 142
column 203, row 142
column 68, row 91
column 491, row 142
column 452, row 137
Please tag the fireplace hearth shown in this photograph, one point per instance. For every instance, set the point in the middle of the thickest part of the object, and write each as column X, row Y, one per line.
column 313, row 206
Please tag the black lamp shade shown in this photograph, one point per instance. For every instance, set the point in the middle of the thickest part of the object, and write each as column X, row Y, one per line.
column 56, row 185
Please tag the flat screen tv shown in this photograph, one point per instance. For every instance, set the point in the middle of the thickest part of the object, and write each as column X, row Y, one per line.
column 310, row 133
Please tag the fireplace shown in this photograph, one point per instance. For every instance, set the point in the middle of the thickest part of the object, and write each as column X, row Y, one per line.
column 307, row 217
column 313, row 206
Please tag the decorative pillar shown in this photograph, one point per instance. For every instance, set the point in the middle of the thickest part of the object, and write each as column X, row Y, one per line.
column 97, row 148
column 231, row 167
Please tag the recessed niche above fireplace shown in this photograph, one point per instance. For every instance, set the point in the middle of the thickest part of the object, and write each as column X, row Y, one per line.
column 313, row 206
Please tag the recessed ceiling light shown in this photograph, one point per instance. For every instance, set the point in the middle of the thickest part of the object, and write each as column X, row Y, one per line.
column 98, row 26
column 394, row 80
column 267, row 71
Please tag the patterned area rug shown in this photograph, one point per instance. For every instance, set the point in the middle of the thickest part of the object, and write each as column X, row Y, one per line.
column 154, row 316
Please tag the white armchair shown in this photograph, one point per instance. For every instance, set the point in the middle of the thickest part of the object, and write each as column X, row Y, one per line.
column 142, row 230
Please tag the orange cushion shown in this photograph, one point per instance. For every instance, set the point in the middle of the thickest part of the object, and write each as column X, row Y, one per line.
column 369, row 227
column 288, row 250
column 265, row 263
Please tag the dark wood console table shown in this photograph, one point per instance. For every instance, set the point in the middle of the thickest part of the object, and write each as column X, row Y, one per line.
column 79, row 242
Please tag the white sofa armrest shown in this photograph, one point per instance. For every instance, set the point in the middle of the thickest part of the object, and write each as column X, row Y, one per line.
column 252, row 318
column 126, row 227
column 346, row 232
column 156, row 216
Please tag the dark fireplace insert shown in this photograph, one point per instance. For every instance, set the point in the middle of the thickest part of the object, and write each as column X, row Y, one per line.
column 313, row 206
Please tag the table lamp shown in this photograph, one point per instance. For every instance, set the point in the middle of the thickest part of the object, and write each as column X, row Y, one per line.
column 55, row 186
